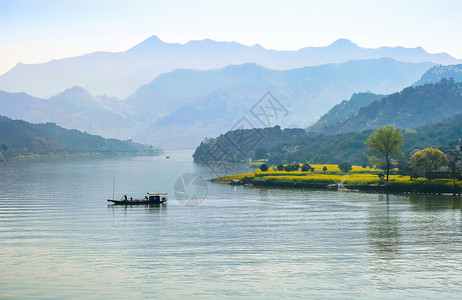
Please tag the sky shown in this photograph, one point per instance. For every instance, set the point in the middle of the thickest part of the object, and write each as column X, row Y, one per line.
column 35, row 31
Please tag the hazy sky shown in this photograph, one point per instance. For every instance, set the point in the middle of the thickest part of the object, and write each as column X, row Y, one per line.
column 38, row 30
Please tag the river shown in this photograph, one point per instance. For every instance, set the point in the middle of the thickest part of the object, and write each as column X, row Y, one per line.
column 61, row 239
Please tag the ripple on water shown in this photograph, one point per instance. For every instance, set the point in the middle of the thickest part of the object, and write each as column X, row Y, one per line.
column 60, row 239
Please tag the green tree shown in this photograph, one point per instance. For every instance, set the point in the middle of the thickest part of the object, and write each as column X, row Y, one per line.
column 385, row 143
column 345, row 167
column 264, row 167
column 306, row 167
column 428, row 160
column 292, row 167
column 281, row 167
column 324, row 168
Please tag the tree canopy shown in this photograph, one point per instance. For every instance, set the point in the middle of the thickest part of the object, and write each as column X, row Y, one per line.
column 385, row 143
column 345, row 167
column 428, row 160
column 264, row 167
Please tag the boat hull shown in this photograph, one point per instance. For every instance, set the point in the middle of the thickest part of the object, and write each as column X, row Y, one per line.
column 135, row 202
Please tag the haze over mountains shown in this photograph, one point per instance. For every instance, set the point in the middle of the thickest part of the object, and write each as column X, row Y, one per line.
column 207, row 88
column 413, row 106
column 180, row 108
column 436, row 95
column 119, row 74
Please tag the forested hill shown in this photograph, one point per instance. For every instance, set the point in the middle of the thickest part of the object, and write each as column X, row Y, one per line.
column 239, row 145
column 413, row 106
column 20, row 138
column 320, row 148
column 350, row 146
column 436, row 73
column 343, row 110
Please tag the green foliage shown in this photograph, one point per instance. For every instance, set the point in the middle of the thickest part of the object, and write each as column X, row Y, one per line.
column 232, row 145
column 324, row 168
column 345, row 167
column 26, row 140
column 436, row 73
column 428, row 160
column 264, row 167
column 285, row 147
column 292, row 167
column 385, row 142
column 404, row 167
column 280, row 167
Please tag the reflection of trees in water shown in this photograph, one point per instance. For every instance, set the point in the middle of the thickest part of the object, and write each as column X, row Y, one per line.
column 384, row 230
column 436, row 224
column 434, row 202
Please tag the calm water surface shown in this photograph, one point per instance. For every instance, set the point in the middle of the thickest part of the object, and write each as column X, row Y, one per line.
column 60, row 239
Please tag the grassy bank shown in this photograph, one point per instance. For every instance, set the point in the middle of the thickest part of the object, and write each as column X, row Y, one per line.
column 364, row 179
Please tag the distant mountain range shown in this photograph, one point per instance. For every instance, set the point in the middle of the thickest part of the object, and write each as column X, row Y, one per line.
column 74, row 108
column 181, row 108
column 119, row 74
column 434, row 109
column 20, row 138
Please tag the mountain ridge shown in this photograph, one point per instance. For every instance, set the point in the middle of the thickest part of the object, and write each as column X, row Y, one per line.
column 184, row 106
column 120, row 73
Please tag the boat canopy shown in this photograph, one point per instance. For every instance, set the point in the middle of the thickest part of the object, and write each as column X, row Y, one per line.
column 157, row 193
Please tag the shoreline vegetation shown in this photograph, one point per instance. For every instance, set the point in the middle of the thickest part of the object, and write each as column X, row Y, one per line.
column 358, row 179
column 24, row 140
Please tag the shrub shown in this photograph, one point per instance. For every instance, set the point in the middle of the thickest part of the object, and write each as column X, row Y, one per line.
column 345, row 167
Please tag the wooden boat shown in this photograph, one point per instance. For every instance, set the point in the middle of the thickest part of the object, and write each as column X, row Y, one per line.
column 150, row 198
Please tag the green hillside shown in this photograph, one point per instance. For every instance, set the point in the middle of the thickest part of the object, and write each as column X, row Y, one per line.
column 436, row 73
column 19, row 138
column 350, row 146
column 334, row 149
column 343, row 110
column 412, row 107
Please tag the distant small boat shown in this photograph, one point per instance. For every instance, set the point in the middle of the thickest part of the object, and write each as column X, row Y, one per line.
column 150, row 198
column 235, row 182
column 167, row 157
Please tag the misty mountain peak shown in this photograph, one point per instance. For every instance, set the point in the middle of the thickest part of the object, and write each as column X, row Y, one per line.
column 343, row 43
column 75, row 92
column 152, row 41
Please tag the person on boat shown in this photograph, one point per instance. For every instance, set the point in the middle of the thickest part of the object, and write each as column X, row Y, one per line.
column 146, row 198
column 125, row 197
column 131, row 198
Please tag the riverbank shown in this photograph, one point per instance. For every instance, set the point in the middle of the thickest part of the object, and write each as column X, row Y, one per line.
column 361, row 179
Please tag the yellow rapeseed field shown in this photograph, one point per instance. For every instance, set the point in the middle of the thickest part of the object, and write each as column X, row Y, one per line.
column 358, row 176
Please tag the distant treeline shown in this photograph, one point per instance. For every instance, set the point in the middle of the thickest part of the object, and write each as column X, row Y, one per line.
column 23, row 139
column 334, row 149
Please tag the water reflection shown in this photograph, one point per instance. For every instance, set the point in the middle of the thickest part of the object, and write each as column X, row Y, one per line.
column 384, row 229
column 434, row 202
column 241, row 242
column 216, row 169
